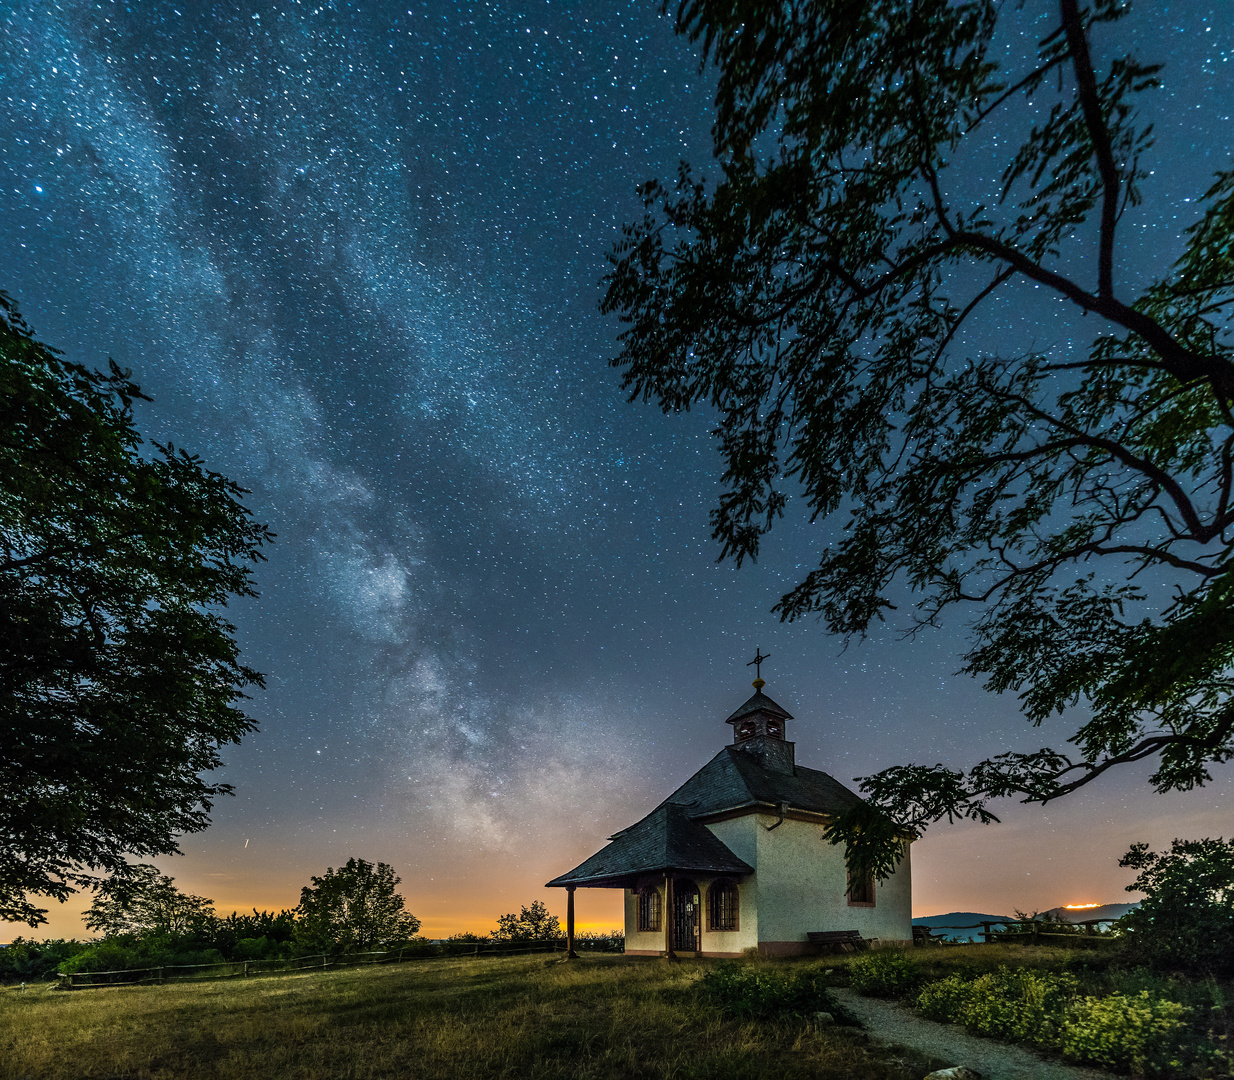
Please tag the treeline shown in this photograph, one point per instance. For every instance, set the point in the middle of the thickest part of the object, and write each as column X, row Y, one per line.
column 145, row 921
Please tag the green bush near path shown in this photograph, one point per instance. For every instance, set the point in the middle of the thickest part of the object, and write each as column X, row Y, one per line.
column 1088, row 1010
column 771, row 992
column 886, row 973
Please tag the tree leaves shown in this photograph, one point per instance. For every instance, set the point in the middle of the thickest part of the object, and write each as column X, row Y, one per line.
column 119, row 679
column 353, row 908
column 816, row 296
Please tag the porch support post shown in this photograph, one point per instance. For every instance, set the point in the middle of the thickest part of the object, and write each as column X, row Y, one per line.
column 668, row 916
column 570, row 953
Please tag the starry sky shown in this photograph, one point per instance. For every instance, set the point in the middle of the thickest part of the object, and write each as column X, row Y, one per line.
column 353, row 252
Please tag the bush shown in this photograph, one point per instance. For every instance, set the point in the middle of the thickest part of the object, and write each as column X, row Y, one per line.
column 600, row 941
column 1019, row 1005
column 1138, row 1031
column 235, row 936
column 25, row 960
column 1121, row 1032
column 1186, row 919
column 761, row 993
column 885, row 973
column 945, row 1000
column 127, row 954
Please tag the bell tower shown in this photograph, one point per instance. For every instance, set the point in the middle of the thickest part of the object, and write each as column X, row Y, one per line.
column 758, row 727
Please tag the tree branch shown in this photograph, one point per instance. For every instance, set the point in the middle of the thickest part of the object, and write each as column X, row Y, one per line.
column 1090, row 102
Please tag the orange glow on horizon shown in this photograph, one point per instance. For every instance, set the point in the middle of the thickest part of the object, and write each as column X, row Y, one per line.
column 1079, row 907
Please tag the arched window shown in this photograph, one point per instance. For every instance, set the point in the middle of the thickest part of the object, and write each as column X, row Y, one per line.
column 722, row 906
column 649, row 908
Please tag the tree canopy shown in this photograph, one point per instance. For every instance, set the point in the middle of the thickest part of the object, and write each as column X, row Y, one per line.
column 530, row 924
column 119, row 679
column 1186, row 919
column 892, row 187
column 143, row 901
column 353, row 908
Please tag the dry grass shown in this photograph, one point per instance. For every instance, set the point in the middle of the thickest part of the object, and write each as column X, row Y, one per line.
column 456, row 1019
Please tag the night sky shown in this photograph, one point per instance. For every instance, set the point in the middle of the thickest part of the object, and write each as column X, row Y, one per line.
column 353, row 253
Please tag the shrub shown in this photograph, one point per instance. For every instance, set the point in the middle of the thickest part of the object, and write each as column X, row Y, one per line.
column 234, row 935
column 762, row 993
column 613, row 941
column 945, row 999
column 1022, row 1004
column 1121, row 1032
column 1138, row 1031
column 127, row 954
column 885, row 973
column 25, row 960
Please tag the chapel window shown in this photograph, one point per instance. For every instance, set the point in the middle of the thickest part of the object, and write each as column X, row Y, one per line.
column 649, row 907
column 861, row 891
column 722, row 906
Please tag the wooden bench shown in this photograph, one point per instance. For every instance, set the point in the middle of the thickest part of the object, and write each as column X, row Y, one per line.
column 924, row 935
column 837, row 940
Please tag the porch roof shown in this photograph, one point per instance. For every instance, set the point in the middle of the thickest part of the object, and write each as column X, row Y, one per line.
column 666, row 839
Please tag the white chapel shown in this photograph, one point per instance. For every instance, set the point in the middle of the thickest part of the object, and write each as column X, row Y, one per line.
column 734, row 859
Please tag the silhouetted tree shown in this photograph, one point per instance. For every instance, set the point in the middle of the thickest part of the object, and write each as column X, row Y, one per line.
column 119, row 680
column 530, row 924
column 1186, row 919
column 143, row 902
column 353, row 907
column 887, row 184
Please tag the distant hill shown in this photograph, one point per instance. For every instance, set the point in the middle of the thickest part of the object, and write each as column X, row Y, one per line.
column 1104, row 911
column 959, row 918
column 939, row 923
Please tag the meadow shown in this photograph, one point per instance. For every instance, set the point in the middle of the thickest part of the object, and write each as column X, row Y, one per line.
column 601, row 1016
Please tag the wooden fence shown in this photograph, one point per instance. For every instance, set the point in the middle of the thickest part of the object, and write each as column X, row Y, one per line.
column 1031, row 932
column 82, row 980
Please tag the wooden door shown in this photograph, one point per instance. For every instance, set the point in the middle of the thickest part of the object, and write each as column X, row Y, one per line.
column 687, row 916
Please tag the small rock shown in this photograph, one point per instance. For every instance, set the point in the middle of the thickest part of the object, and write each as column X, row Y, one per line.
column 956, row 1072
column 824, row 1018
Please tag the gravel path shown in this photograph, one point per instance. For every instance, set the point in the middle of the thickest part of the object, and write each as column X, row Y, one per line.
column 888, row 1022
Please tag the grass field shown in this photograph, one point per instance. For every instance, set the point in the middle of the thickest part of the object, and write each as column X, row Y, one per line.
column 458, row 1019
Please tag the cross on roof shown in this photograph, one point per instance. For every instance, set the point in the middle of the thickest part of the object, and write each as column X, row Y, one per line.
column 757, row 663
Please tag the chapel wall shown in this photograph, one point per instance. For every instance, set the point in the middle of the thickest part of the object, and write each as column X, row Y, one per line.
column 646, row 941
column 803, row 886
column 739, row 836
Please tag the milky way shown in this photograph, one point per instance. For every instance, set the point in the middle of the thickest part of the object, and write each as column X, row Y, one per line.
column 353, row 253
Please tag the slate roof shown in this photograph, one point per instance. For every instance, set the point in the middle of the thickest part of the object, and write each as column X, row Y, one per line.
column 672, row 838
column 760, row 702
column 734, row 778
column 666, row 839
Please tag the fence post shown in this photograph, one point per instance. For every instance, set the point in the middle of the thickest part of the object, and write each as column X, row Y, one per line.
column 985, row 932
column 246, row 969
column 160, row 976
